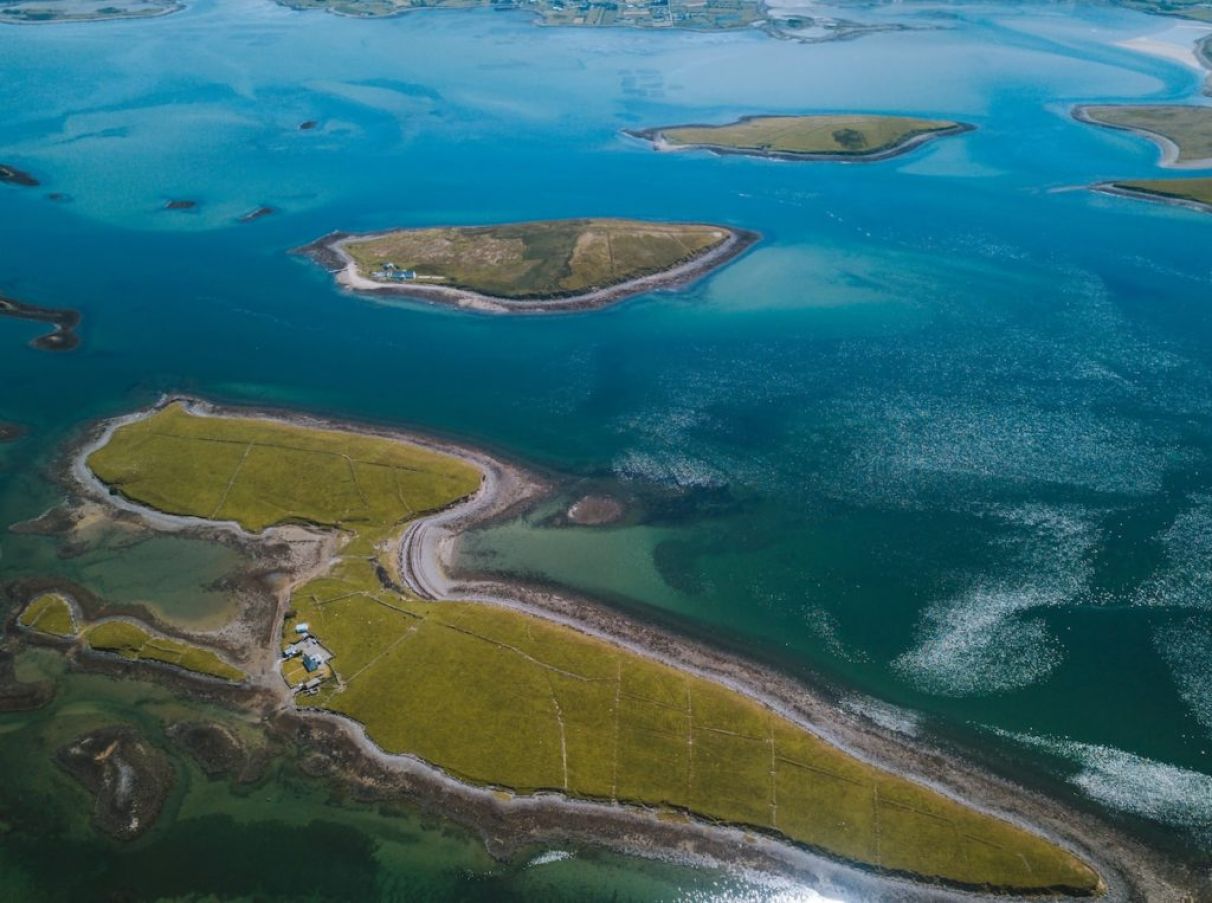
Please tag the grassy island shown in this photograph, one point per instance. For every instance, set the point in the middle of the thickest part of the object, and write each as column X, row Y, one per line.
column 51, row 614
column 818, row 137
column 545, row 265
column 1196, row 193
column 1183, row 132
column 137, row 643
column 498, row 697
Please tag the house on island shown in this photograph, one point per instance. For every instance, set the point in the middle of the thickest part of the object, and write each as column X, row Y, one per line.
column 389, row 272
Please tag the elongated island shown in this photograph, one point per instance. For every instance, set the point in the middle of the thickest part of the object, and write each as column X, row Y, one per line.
column 837, row 137
column 534, row 267
column 527, row 717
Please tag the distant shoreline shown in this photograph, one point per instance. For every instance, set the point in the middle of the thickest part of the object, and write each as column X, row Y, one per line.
column 656, row 138
column 330, row 253
column 1170, row 151
column 1116, row 189
column 70, row 20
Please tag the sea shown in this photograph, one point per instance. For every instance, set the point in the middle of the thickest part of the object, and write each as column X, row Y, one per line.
column 941, row 443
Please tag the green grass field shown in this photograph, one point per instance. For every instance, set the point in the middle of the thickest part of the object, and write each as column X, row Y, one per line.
column 532, row 261
column 506, row 699
column 49, row 613
column 1197, row 190
column 1189, row 127
column 131, row 641
column 840, row 135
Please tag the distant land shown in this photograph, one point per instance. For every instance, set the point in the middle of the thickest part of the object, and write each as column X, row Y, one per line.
column 29, row 12
column 530, row 267
column 845, row 137
column 1193, row 193
column 1182, row 131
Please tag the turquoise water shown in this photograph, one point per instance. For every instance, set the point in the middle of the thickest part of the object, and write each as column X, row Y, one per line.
column 943, row 439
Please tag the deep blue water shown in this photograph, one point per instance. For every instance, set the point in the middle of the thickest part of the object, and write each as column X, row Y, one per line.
column 944, row 438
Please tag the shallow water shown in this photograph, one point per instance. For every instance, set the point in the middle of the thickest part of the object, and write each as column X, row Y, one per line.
column 943, row 438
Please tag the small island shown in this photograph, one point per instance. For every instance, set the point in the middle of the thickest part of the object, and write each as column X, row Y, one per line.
column 1193, row 193
column 61, row 338
column 10, row 175
column 840, row 137
column 36, row 12
column 1183, row 132
column 549, row 265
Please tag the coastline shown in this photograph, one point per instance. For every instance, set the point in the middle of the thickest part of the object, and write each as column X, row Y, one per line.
column 1139, row 194
column 329, row 252
column 1169, row 150
column 656, row 138
column 508, row 821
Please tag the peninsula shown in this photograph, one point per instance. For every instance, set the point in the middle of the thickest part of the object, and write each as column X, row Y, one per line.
column 838, row 137
column 1183, row 132
column 1193, row 193
column 551, row 265
column 493, row 700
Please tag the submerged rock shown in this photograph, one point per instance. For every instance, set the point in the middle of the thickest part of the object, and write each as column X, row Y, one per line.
column 217, row 750
column 16, row 696
column 128, row 777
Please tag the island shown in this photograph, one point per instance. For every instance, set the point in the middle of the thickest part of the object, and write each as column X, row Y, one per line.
column 61, row 338
column 1182, row 131
column 1193, row 193
column 32, row 12
column 841, row 137
column 505, row 704
column 10, row 175
column 535, row 267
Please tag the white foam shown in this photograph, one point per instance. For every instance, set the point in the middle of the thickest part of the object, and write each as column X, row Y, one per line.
column 1131, row 783
column 549, row 857
column 1185, row 580
column 986, row 639
column 1187, row 649
column 887, row 716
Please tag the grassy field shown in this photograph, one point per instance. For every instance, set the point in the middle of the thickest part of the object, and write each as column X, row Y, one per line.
column 129, row 640
column 506, row 699
column 840, row 135
column 50, row 613
column 1189, row 127
column 1197, row 190
column 552, row 259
